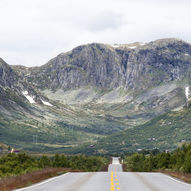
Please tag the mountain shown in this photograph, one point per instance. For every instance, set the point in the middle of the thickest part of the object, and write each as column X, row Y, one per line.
column 91, row 92
column 129, row 82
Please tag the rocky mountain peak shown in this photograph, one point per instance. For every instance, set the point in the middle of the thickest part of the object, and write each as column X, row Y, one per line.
column 132, row 66
column 168, row 41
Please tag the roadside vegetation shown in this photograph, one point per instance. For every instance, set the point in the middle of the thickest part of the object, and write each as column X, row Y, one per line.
column 176, row 163
column 17, row 170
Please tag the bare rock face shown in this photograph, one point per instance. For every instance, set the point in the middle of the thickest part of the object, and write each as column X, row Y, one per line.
column 8, row 78
column 94, row 64
column 158, row 62
column 105, row 66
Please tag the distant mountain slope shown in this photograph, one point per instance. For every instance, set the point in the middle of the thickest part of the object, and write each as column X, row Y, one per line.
column 11, row 97
column 16, row 95
column 165, row 132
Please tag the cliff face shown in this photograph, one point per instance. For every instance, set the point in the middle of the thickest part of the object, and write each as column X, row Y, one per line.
column 158, row 62
column 132, row 67
column 95, row 64
column 8, row 78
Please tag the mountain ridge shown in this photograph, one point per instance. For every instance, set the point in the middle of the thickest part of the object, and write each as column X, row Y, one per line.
column 99, row 70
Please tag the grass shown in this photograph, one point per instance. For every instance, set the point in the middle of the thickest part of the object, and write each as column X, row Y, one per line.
column 164, row 132
column 14, row 182
column 62, row 128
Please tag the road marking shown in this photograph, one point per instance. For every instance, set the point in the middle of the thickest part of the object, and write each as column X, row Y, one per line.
column 112, row 183
column 113, row 174
column 176, row 180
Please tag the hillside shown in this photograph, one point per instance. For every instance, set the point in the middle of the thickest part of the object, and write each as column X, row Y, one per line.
column 165, row 132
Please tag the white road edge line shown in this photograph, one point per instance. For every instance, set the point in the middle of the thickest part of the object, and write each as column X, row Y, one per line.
column 179, row 181
column 46, row 181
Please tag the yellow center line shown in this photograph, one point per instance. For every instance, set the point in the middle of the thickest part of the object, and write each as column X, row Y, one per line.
column 114, row 178
column 112, row 183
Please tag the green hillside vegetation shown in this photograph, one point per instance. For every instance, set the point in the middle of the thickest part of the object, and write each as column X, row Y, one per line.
column 50, row 136
column 178, row 160
column 167, row 131
column 64, row 127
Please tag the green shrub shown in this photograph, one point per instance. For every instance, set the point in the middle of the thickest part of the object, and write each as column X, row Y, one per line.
column 13, row 164
column 178, row 160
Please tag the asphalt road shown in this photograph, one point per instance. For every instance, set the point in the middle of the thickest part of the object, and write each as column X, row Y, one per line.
column 113, row 180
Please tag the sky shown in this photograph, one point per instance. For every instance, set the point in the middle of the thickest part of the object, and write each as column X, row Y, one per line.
column 34, row 31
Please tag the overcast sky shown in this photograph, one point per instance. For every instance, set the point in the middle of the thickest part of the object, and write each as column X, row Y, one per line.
column 34, row 31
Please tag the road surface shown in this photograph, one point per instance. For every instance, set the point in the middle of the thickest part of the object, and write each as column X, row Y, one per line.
column 113, row 180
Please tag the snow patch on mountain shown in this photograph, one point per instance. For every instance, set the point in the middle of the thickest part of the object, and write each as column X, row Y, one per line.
column 29, row 98
column 46, row 103
column 187, row 92
column 132, row 47
column 115, row 46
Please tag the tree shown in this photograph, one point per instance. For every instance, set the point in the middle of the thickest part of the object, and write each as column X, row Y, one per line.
column 136, row 162
column 45, row 162
column 187, row 163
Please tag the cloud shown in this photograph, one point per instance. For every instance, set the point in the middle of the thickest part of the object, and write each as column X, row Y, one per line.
column 32, row 32
column 100, row 22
